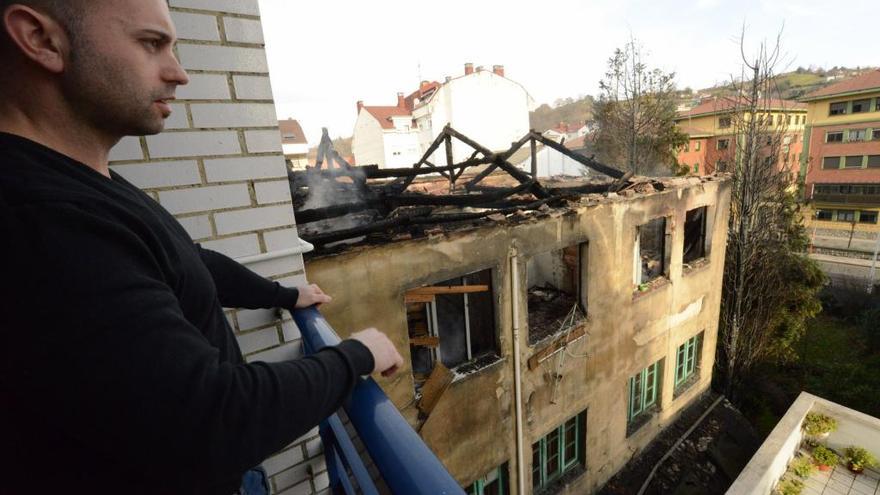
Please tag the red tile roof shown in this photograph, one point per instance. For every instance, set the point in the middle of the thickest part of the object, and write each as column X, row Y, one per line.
column 426, row 90
column 384, row 114
column 864, row 82
column 291, row 127
column 725, row 104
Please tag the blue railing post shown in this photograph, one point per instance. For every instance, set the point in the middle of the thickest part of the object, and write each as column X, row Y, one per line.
column 406, row 463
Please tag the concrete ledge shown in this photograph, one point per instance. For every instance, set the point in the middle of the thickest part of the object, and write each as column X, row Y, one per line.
column 771, row 461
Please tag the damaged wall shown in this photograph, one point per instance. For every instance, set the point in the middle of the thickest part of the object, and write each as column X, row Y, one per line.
column 472, row 428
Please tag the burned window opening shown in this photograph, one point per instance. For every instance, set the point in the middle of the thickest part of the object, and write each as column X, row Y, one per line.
column 695, row 235
column 650, row 252
column 556, row 289
column 452, row 323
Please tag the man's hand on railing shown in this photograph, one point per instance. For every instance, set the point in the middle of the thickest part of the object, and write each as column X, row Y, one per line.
column 387, row 359
column 311, row 295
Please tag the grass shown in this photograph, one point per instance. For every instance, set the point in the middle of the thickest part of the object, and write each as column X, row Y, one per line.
column 833, row 362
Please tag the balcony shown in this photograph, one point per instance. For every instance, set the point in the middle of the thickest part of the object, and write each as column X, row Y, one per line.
column 860, row 199
column 405, row 463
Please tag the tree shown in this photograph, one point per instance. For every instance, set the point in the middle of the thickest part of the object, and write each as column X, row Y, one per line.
column 770, row 286
column 635, row 115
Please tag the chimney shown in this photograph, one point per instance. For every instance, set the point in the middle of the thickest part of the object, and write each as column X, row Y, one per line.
column 468, row 69
column 423, row 86
column 360, row 105
column 498, row 70
column 401, row 100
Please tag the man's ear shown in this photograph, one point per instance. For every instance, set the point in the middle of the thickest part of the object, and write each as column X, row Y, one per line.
column 39, row 37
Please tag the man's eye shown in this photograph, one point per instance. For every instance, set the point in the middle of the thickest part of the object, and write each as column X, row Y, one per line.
column 152, row 44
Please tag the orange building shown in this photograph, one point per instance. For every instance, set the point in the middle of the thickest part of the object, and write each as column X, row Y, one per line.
column 842, row 158
column 713, row 140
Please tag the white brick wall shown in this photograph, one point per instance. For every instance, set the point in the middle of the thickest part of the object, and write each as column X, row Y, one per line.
column 218, row 167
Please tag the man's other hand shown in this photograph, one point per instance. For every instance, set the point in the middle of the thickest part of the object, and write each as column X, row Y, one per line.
column 311, row 295
column 385, row 355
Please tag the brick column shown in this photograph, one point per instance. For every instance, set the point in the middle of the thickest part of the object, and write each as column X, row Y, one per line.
column 219, row 168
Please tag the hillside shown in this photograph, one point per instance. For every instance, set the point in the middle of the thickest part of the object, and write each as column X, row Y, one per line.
column 569, row 110
column 791, row 85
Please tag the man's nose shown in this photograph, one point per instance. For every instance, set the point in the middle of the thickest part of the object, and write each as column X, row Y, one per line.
column 174, row 73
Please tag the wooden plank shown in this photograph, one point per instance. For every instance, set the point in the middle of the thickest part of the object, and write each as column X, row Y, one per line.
column 542, row 355
column 452, row 289
column 425, row 341
column 417, row 298
column 434, row 387
column 534, row 163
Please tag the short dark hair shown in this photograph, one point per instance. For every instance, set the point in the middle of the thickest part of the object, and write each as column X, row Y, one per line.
column 67, row 12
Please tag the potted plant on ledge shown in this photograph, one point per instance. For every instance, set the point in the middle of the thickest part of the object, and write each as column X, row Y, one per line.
column 825, row 458
column 819, row 425
column 858, row 458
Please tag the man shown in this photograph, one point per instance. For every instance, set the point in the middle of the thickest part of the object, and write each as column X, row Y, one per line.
column 119, row 371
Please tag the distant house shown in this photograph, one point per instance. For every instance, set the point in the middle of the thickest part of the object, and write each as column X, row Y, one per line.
column 713, row 138
column 294, row 143
column 485, row 105
column 567, row 131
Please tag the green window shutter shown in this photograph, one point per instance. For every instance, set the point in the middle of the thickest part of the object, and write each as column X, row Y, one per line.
column 650, row 386
column 680, row 359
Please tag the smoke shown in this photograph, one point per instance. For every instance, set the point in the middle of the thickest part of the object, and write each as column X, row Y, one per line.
column 323, row 192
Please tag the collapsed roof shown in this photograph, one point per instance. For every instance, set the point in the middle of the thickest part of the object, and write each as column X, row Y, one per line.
column 343, row 205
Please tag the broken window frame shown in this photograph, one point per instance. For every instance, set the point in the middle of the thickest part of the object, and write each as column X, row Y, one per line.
column 555, row 445
column 704, row 235
column 580, row 283
column 434, row 327
column 664, row 254
column 687, row 361
column 483, row 486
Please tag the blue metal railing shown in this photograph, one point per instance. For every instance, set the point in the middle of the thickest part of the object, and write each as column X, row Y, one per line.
column 407, row 465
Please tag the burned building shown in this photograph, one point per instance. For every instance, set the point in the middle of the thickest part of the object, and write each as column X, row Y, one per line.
column 550, row 330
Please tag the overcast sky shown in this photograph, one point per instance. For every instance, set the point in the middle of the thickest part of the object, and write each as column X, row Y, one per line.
column 325, row 55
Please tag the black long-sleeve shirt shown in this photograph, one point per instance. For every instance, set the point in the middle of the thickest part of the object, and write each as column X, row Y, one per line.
column 120, row 373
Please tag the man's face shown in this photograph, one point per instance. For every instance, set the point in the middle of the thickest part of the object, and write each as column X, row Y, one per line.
column 121, row 71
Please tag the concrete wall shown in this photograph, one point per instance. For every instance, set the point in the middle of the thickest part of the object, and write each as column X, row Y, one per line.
column 401, row 148
column 367, row 143
column 219, row 169
column 488, row 108
column 472, row 428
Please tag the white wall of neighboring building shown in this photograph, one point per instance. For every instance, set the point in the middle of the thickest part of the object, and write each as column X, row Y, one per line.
column 368, row 141
column 401, row 148
column 552, row 163
column 295, row 149
column 491, row 109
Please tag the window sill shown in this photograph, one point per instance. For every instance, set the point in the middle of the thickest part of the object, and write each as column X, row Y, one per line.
column 694, row 266
column 474, row 366
column 686, row 384
column 641, row 420
column 651, row 287
column 561, row 482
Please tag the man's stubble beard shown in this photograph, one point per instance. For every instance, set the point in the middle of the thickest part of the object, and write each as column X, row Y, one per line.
column 103, row 93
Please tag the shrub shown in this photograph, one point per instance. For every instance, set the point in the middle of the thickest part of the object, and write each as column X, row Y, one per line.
column 803, row 467
column 859, row 458
column 789, row 487
column 825, row 456
column 816, row 424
